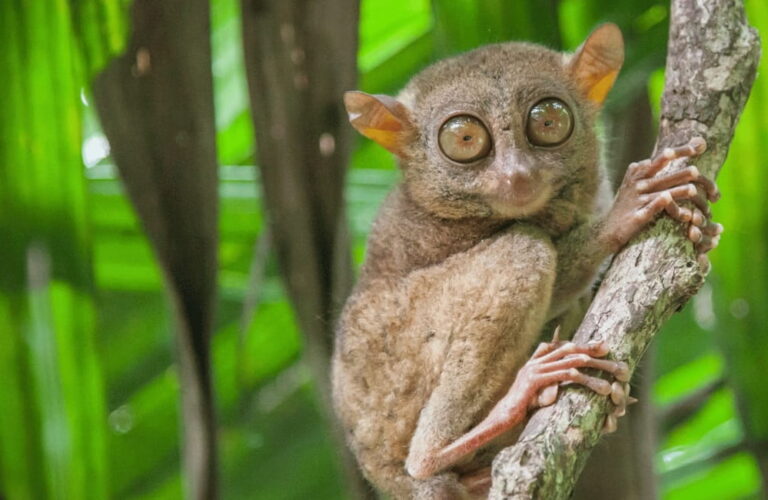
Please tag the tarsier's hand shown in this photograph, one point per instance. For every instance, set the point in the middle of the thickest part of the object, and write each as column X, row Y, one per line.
column 643, row 194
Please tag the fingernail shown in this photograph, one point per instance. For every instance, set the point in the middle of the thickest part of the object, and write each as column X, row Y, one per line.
column 622, row 374
column 617, row 393
column 694, row 234
column 698, row 144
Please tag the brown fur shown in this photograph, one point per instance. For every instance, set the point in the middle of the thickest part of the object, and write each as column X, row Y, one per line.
column 455, row 291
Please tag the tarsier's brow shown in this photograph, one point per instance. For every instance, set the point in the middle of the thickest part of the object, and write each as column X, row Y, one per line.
column 533, row 91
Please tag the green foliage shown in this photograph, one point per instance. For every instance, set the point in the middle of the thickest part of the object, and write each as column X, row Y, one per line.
column 461, row 25
column 742, row 288
column 52, row 429
column 89, row 406
column 101, row 27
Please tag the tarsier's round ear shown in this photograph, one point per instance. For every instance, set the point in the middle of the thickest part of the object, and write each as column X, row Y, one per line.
column 381, row 118
column 597, row 62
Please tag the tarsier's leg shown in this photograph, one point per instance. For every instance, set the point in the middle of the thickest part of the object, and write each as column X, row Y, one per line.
column 508, row 282
column 552, row 363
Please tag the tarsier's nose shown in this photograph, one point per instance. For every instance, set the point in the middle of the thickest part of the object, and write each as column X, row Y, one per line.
column 521, row 186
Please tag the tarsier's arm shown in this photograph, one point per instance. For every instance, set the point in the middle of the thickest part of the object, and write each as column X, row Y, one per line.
column 641, row 197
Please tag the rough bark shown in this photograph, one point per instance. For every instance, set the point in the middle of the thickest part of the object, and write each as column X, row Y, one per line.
column 628, row 455
column 300, row 57
column 155, row 103
column 711, row 63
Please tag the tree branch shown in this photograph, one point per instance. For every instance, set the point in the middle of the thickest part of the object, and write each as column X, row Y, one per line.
column 711, row 64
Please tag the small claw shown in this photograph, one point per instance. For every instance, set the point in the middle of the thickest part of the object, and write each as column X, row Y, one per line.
column 631, row 400
column 610, row 425
column 556, row 335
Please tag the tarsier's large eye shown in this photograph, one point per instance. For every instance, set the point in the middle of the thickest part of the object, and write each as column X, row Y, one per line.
column 549, row 123
column 464, row 139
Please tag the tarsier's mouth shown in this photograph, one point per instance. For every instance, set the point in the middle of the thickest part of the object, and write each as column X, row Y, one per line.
column 516, row 192
column 510, row 204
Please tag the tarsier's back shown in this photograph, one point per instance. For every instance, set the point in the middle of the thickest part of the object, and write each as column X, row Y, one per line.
column 495, row 231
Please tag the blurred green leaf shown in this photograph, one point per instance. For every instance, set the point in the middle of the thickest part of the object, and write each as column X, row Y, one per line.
column 101, row 27
column 685, row 379
column 234, row 128
column 462, row 25
column 52, row 413
column 734, row 478
column 740, row 267
column 714, row 427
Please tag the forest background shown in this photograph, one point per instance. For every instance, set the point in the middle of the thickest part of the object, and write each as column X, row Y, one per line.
column 90, row 395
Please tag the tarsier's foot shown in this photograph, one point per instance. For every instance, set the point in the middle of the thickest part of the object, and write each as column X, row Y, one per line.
column 572, row 355
column 535, row 385
column 643, row 194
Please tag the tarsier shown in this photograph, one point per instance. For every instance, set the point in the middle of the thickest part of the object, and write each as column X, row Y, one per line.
column 497, row 231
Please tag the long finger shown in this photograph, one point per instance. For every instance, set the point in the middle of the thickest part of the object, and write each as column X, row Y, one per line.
column 687, row 175
column 695, row 146
column 618, row 369
column 593, row 349
column 678, row 213
column 573, row 375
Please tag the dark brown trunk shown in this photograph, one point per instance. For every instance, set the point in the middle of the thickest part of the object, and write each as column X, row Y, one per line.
column 156, row 107
column 300, row 57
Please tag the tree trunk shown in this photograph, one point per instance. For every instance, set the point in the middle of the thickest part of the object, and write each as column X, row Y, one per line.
column 300, row 57
column 628, row 455
column 711, row 64
column 155, row 103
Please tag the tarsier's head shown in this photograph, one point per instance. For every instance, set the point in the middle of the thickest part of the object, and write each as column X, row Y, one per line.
column 499, row 131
